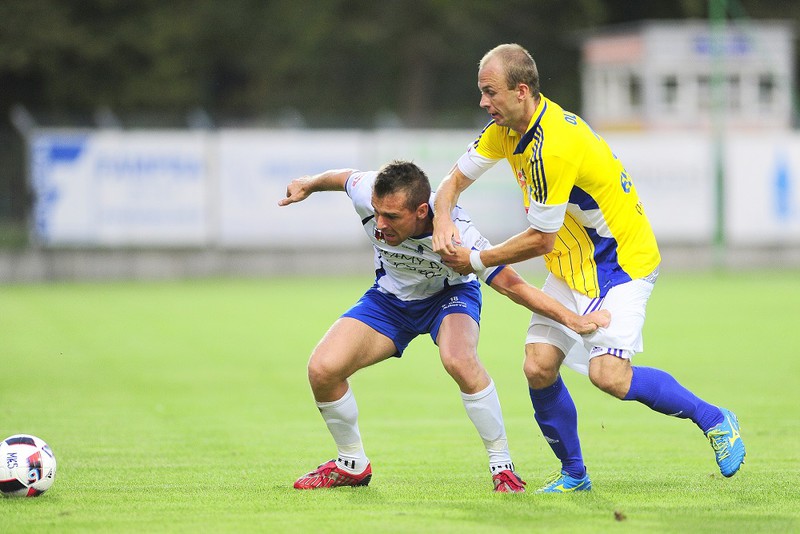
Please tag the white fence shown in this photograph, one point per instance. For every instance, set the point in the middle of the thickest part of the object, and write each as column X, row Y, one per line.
column 220, row 188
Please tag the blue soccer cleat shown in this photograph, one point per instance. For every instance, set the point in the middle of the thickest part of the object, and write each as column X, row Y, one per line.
column 561, row 482
column 727, row 444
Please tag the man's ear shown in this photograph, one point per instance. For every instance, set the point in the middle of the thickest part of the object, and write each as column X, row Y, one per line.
column 422, row 210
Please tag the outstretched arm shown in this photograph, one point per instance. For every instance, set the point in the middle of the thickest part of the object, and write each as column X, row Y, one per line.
column 445, row 233
column 301, row 188
column 509, row 283
column 523, row 246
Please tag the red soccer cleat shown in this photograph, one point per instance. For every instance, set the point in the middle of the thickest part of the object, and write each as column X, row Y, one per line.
column 507, row 481
column 328, row 475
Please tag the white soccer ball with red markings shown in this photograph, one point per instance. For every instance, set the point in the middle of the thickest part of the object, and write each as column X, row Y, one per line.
column 27, row 466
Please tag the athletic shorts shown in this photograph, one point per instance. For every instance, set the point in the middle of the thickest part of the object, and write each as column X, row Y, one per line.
column 403, row 320
column 622, row 338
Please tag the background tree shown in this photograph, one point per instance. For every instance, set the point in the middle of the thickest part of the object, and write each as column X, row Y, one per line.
column 317, row 63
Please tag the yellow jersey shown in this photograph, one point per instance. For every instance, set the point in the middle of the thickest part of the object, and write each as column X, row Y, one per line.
column 573, row 184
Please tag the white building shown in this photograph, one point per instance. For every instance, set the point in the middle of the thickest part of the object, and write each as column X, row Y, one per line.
column 659, row 75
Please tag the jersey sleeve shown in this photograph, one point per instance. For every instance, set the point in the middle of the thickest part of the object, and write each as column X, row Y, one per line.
column 552, row 183
column 546, row 218
column 472, row 164
column 481, row 154
column 359, row 188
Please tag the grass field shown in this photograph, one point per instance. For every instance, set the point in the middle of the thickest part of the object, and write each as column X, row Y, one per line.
column 184, row 406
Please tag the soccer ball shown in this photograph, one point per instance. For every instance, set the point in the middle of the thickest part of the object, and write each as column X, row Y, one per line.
column 27, row 466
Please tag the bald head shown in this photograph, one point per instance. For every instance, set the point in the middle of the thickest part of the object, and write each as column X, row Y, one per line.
column 518, row 65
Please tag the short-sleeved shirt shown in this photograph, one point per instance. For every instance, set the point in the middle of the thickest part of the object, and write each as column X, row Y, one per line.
column 412, row 270
column 573, row 184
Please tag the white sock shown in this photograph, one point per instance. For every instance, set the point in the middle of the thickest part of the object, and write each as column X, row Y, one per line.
column 483, row 409
column 341, row 416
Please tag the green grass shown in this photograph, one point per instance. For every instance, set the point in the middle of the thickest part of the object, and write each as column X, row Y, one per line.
column 184, row 407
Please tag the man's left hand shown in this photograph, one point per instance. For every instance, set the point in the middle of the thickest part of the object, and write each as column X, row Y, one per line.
column 459, row 261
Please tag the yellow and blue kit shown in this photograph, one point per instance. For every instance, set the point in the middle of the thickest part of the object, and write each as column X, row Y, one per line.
column 573, row 184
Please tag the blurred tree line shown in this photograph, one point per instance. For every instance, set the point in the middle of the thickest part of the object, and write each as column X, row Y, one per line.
column 314, row 63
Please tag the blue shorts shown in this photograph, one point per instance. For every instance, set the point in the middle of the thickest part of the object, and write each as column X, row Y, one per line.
column 401, row 321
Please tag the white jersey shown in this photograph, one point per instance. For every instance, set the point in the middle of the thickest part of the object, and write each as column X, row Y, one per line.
column 411, row 270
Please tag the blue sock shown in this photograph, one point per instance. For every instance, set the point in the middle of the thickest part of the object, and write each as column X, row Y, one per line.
column 557, row 417
column 661, row 392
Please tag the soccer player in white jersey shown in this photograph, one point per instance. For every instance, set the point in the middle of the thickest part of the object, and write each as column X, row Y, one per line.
column 414, row 293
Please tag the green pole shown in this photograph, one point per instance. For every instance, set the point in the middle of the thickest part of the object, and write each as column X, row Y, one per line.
column 716, row 12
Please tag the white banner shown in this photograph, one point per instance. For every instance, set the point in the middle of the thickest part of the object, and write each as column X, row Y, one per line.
column 115, row 188
column 762, row 190
column 121, row 188
column 673, row 174
column 256, row 166
column 254, row 169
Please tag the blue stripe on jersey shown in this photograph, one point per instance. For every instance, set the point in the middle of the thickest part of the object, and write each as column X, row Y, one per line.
column 537, row 167
column 538, row 180
column 526, row 139
column 609, row 271
column 582, row 199
column 495, row 273
column 475, row 144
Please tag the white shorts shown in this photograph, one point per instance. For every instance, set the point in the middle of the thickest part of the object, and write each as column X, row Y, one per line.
column 622, row 338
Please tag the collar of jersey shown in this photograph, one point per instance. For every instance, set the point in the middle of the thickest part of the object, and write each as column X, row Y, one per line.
column 528, row 137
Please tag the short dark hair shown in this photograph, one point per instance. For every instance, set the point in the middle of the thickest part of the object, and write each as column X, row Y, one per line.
column 518, row 64
column 403, row 176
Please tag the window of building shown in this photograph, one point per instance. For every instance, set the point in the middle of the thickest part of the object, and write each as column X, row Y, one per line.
column 766, row 91
column 734, row 93
column 669, row 92
column 635, row 92
column 704, row 92
column 605, row 88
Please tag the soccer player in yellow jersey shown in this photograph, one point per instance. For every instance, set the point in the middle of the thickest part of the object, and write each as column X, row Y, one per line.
column 588, row 223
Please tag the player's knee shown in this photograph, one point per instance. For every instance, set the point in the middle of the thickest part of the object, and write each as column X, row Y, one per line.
column 463, row 367
column 601, row 381
column 538, row 374
column 316, row 375
column 457, row 365
column 321, row 373
column 610, row 374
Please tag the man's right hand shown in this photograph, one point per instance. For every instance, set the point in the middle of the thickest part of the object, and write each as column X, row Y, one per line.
column 591, row 322
column 445, row 236
column 297, row 190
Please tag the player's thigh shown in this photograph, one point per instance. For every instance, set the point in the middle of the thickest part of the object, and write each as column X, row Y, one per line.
column 458, row 350
column 350, row 345
column 543, row 330
column 623, row 337
column 547, row 341
column 458, row 334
